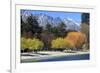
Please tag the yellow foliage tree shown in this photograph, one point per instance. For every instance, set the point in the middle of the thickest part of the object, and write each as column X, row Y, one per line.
column 32, row 44
column 36, row 44
column 24, row 43
column 58, row 43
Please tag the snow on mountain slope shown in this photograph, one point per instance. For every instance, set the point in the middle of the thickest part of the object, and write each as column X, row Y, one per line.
column 44, row 19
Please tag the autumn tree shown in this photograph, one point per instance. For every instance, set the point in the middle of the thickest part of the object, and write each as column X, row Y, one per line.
column 58, row 43
column 24, row 44
column 76, row 39
column 31, row 44
column 36, row 44
column 69, row 44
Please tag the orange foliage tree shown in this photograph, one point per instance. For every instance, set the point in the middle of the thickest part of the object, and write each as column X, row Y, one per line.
column 75, row 39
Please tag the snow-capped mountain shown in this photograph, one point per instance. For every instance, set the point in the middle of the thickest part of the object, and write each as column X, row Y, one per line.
column 71, row 24
column 25, row 15
column 44, row 19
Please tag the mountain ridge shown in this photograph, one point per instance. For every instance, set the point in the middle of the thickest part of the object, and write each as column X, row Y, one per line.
column 44, row 19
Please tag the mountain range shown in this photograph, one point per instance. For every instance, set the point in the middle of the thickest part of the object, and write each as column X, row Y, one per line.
column 44, row 19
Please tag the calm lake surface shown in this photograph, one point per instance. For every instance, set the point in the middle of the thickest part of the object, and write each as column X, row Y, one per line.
column 61, row 58
column 69, row 58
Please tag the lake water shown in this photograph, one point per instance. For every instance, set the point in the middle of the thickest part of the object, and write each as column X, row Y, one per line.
column 68, row 58
column 60, row 58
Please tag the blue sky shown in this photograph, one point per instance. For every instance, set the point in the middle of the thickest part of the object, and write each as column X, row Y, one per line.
column 72, row 15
